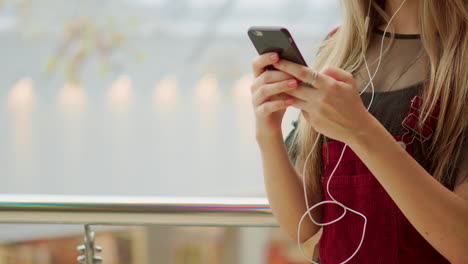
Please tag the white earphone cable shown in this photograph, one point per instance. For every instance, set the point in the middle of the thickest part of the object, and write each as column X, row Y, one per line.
column 333, row 200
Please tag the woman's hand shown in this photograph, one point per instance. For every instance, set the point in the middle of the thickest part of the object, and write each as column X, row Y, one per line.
column 333, row 105
column 268, row 95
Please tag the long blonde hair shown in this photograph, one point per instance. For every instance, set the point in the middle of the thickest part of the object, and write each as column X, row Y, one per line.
column 444, row 34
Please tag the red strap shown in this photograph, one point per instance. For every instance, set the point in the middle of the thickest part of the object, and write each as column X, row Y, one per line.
column 411, row 121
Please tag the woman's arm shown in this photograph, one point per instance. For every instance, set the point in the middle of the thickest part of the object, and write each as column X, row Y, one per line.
column 284, row 189
column 334, row 108
column 283, row 185
column 439, row 215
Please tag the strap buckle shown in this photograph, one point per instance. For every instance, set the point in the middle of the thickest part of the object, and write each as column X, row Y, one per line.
column 423, row 132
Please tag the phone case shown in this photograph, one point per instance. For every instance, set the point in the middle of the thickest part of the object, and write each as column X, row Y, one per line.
column 275, row 39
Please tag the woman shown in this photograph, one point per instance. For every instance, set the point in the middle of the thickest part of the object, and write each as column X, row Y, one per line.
column 405, row 167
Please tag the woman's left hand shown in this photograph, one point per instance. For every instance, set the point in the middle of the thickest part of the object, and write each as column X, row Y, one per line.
column 332, row 106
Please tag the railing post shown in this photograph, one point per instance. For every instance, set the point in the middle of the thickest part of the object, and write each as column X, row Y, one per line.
column 88, row 248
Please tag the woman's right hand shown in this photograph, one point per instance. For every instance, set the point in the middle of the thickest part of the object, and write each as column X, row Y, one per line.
column 268, row 95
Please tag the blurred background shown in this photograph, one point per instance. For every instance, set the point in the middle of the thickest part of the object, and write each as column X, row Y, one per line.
column 139, row 97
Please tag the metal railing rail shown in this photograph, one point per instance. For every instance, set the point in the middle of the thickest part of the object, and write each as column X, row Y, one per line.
column 132, row 210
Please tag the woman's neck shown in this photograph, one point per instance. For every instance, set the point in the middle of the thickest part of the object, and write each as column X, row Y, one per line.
column 407, row 19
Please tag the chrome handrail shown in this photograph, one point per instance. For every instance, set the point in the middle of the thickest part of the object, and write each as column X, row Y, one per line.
column 136, row 210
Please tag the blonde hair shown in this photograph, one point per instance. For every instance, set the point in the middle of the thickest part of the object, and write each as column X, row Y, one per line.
column 444, row 34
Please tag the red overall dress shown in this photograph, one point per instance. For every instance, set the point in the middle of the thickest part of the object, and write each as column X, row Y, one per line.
column 389, row 238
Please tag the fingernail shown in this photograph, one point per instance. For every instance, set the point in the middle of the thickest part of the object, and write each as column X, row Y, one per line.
column 289, row 101
column 274, row 57
column 292, row 83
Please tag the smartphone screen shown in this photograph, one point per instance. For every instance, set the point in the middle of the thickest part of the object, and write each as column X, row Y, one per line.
column 276, row 39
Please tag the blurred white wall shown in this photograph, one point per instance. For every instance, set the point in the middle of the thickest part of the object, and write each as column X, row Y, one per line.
column 137, row 97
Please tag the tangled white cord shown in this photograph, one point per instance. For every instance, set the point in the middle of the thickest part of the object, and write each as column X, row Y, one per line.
column 333, row 200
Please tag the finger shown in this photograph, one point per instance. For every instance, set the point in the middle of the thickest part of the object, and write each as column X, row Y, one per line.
column 339, row 75
column 281, row 96
column 269, row 77
column 303, row 73
column 300, row 104
column 267, row 90
column 260, row 62
column 305, row 93
column 270, row 107
column 274, row 76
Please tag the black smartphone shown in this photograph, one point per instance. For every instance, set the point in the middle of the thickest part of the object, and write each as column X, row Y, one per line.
column 275, row 39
